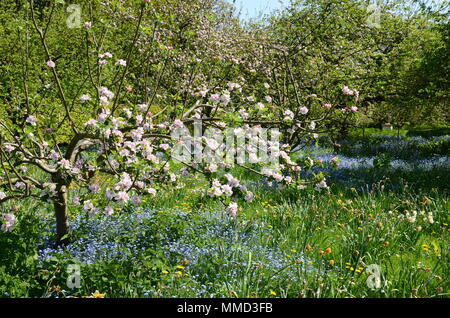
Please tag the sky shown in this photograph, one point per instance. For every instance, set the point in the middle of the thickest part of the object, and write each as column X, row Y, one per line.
column 253, row 8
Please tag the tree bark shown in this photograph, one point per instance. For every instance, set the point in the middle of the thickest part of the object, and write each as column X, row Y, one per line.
column 61, row 213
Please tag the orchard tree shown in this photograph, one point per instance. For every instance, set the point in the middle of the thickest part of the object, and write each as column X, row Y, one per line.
column 103, row 127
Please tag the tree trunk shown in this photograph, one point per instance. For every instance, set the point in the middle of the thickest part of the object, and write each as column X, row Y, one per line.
column 61, row 213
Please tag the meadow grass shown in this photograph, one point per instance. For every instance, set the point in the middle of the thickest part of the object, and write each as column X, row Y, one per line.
column 284, row 243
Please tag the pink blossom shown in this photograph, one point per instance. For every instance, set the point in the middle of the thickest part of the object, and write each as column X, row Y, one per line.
column 137, row 134
column 164, row 146
column 87, row 25
column 212, row 167
column 109, row 210
column 76, row 201
column 31, row 120
column 104, row 91
column 124, row 153
column 216, row 189
column 54, row 155
column 136, row 200
column 102, row 62
column 10, row 221
column 268, row 99
column 227, row 190
column 121, row 62
column 225, row 98
column 288, row 115
column 215, row 98
column 128, row 112
column 95, row 188
column 260, row 106
column 20, row 185
column 321, row 185
column 232, row 181
column 328, row 106
column 354, row 108
column 142, row 107
column 104, row 100
column 88, row 205
column 122, row 197
column 90, row 123
column 139, row 184
column 243, row 113
column 125, row 181
column 9, row 147
column 178, row 123
column 249, row 196
column 278, row 177
column 232, row 209
column 117, row 133
column 304, row 110
column 139, row 119
column 64, row 163
column 85, row 98
column 266, row 85
column 347, row 91
column 103, row 115
column 51, row 64
column 106, row 54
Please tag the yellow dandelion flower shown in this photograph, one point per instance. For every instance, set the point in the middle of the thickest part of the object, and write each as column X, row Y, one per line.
column 273, row 293
column 97, row 294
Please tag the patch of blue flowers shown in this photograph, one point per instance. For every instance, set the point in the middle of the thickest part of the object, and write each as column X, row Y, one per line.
column 217, row 247
column 101, row 238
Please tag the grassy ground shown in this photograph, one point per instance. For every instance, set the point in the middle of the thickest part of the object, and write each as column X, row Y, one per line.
column 283, row 244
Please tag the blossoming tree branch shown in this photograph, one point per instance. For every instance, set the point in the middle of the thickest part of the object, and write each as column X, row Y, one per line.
column 144, row 103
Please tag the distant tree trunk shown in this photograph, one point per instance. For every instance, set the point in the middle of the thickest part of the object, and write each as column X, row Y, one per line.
column 61, row 214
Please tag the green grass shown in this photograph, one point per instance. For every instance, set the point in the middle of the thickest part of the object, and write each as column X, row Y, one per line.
column 325, row 245
column 339, row 234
